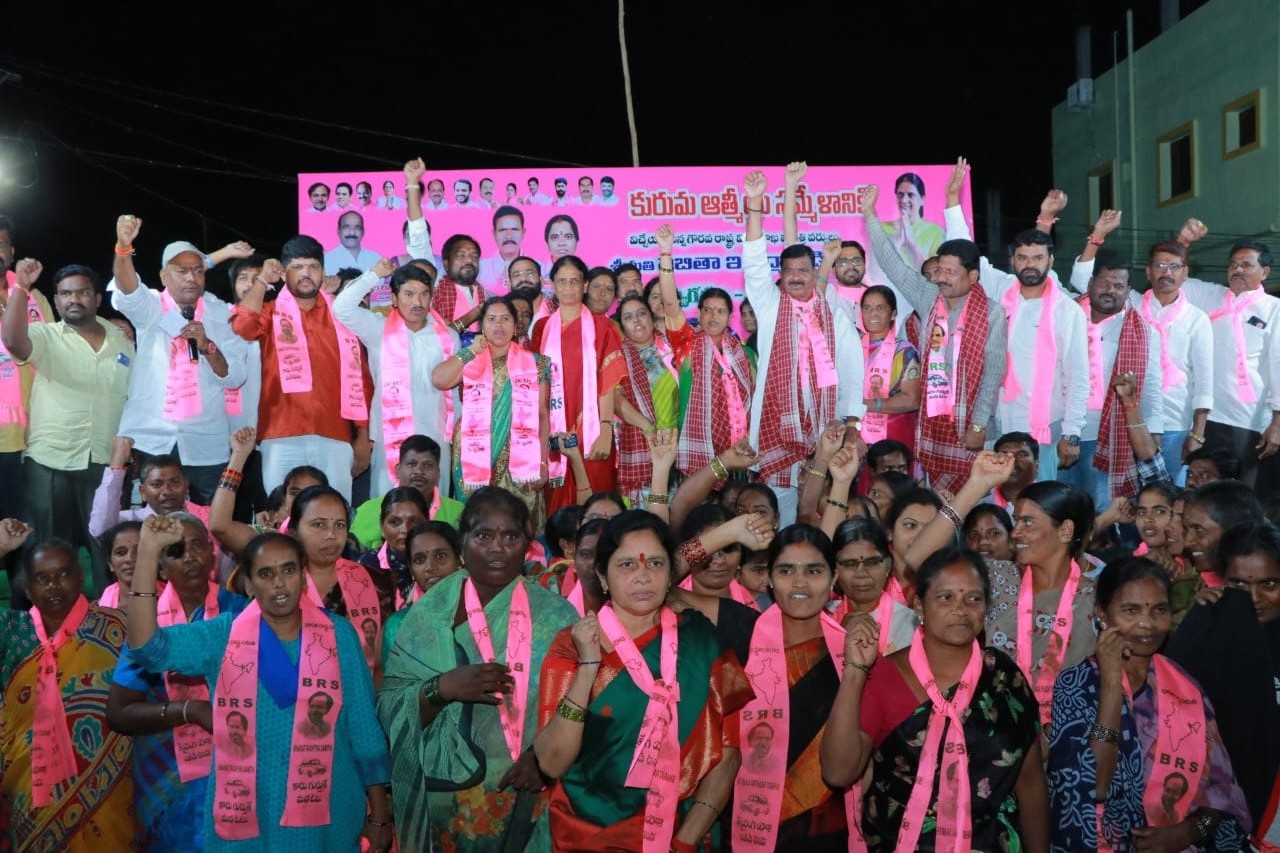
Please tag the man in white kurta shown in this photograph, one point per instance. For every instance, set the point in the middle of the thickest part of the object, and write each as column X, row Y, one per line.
column 799, row 280
column 411, row 300
column 1023, row 293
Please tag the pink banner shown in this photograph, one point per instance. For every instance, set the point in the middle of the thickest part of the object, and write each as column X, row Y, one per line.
column 607, row 216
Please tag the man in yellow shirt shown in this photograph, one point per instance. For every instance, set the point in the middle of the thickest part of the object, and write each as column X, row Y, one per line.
column 82, row 365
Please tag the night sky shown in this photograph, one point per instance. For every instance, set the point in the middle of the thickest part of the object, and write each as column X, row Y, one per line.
column 200, row 128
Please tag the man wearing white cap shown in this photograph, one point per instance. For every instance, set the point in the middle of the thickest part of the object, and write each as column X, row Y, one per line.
column 188, row 357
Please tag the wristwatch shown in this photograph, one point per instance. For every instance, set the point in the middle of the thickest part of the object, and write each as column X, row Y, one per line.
column 1073, row 440
column 431, row 692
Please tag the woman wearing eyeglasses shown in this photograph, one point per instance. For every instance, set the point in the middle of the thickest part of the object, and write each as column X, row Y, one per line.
column 863, row 566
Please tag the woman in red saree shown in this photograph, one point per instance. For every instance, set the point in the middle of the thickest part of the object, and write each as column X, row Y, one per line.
column 587, row 352
column 638, row 681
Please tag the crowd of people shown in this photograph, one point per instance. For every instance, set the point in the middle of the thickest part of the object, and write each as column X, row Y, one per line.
column 962, row 559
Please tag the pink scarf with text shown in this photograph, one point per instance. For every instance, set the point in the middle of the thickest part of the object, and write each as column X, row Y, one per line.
column 511, row 712
column 310, row 779
column 878, row 358
column 192, row 745
column 655, row 765
column 395, row 381
column 361, row 599
column 524, row 439
column 182, row 384
column 760, row 785
column 551, row 348
column 293, row 358
column 1046, row 362
column 53, row 757
column 939, row 390
column 954, row 832
column 1041, row 680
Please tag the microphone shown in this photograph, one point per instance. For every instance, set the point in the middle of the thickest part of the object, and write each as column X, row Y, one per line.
column 189, row 314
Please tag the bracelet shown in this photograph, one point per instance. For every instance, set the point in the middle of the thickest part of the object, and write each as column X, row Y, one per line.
column 1103, row 734
column 124, row 468
column 814, row 472
column 1135, row 426
column 570, row 713
column 583, row 663
column 582, row 489
column 125, row 253
column 661, row 268
column 1198, row 439
column 573, row 703
column 1040, row 220
column 717, row 468
column 948, row 512
column 144, row 594
column 163, row 710
column 751, row 209
column 466, row 356
column 184, row 711
column 388, row 822
column 652, row 498
column 708, row 805
column 838, row 504
column 413, row 188
column 861, row 667
column 1095, row 241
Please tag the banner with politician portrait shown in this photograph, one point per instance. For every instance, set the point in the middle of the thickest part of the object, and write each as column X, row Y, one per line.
column 608, row 216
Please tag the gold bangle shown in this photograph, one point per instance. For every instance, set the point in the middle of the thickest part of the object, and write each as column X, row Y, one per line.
column 657, row 499
column 1198, row 439
column 718, row 468
column 814, row 472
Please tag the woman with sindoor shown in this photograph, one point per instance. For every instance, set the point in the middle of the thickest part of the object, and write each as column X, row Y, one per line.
column 639, row 708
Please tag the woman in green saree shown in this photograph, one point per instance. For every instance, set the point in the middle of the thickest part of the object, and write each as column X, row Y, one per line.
column 503, row 427
column 460, row 692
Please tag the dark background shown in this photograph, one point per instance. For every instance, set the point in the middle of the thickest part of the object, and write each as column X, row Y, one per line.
column 200, row 125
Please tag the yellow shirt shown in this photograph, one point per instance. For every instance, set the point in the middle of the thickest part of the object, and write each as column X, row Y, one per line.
column 13, row 437
column 78, row 395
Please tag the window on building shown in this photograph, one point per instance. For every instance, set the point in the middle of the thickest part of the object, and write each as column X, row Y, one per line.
column 1242, row 125
column 1102, row 189
column 1176, row 164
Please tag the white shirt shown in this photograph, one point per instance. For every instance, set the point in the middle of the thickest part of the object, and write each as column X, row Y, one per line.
column 1190, row 350
column 393, row 203
column 540, row 198
column 1151, row 401
column 1260, row 322
column 765, row 298
column 417, row 243
column 202, row 438
column 607, row 200
column 425, row 353
column 340, row 257
column 1069, row 397
column 251, row 390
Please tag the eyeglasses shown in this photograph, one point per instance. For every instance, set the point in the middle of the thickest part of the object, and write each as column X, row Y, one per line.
column 1171, row 266
column 867, row 565
column 850, row 262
